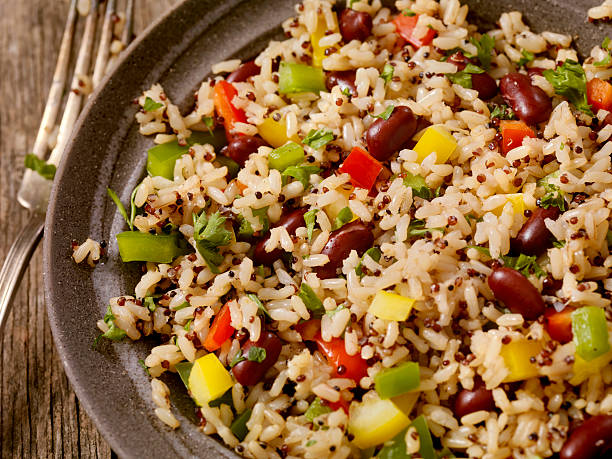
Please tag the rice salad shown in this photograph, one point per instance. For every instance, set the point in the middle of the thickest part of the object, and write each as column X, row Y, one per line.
column 387, row 235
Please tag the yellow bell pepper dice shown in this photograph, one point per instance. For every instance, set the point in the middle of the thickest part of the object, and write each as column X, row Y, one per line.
column 583, row 369
column 517, row 356
column 375, row 421
column 436, row 139
column 208, row 379
column 318, row 51
column 518, row 204
column 275, row 132
column 391, row 306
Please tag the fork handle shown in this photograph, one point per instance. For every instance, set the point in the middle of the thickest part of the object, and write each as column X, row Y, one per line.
column 16, row 262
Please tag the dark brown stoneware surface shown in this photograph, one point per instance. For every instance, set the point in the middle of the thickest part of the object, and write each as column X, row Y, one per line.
column 106, row 150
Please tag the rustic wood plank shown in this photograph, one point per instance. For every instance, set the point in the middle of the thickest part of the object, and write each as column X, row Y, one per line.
column 40, row 414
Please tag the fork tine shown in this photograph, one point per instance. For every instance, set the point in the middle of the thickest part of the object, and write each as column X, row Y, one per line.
column 56, row 91
column 126, row 37
column 104, row 46
column 75, row 97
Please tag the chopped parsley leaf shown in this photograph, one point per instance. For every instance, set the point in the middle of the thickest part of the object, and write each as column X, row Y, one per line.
column 309, row 219
column 150, row 105
column 417, row 228
column 387, row 73
column 262, row 213
column 45, row 170
column 318, row 139
column 113, row 333
column 526, row 58
column 245, row 229
column 484, row 46
column 301, row 173
column 310, row 443
column 311, row 300
column 408, row 13
column 316, row 409
column 385, row 114
column 503, row 112
column 256, row 354
column 347, row 92
column 418, row 185
column 558, row 244
column 569, row 80
column 210, row 234
column 464, row 77
column 525, row 264
column 237, row 359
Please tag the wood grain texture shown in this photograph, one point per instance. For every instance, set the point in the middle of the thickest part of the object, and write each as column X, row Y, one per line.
column 40, row 415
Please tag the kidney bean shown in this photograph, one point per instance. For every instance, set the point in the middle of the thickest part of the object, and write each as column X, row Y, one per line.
column 240, row 147
column 355, row 25
column 591, row 440
column 485, row 85
column 385, row 137
column 534, row 238
column 533, row 71
column 530, row 103
column 245, row 71
column 469, row 401
column 249, row 373
column 344, row 79
column 291, row 221
column 517, row 293
column 352, row 236
column 607, row 120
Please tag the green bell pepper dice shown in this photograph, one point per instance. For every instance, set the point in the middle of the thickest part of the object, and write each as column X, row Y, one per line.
column 398, row 380
column 295, row 78
column 161, row 158
column 290, row 154
column 590, row 332
column 184, row 370
column 239, row 427
column 396, row 448
column 156, row 248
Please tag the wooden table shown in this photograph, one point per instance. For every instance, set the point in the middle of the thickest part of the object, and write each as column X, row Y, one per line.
column 40, row 415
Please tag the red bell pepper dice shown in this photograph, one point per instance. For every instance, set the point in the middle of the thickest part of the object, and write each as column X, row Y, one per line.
column 559, row 324
column 513, row 133
column 339, row 404
column 344, row 365
column 309, row 329
column 405, row 26
column 599, row 94
column 362, row 167
column 221, row 329
column 224, row 94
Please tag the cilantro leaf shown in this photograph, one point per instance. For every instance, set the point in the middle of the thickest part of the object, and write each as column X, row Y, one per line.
column 343, row 217
column 120, row 206
column 386, row 114
column 569, row 80
column 210, row 234
column 554, row 198
column 419, row 188
column 464, row 77
column 387, row 73
column 309, row 219
column 318, row 139
column 527, row 57
column 525, row 264
column 301, row 173
column 40, row 166
column 150, row 105
column 260, row 307
column 503, row 112
column 256, row 354
column 374, row 253
column 311, row 300
column 484, row 46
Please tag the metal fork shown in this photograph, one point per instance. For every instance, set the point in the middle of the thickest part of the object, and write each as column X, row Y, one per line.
column 34, row 190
